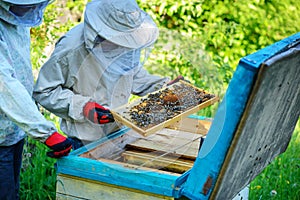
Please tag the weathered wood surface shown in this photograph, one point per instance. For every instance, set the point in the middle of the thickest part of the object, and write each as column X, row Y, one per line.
column 72, row 187
column 153, row 160
column 174, row 142
column 192, row 125
column 266, row 126
column 140, row 167
column 168, row 149
column 185, row 133
column 112, row 147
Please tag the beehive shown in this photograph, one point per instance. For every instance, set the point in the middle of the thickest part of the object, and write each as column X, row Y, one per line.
column 249, row 129
column 169, row 152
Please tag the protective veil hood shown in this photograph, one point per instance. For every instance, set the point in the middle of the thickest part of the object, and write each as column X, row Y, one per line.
column 121, row 22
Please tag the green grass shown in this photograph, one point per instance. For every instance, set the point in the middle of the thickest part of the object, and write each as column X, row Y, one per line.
column 281, row 179
column 38, row 174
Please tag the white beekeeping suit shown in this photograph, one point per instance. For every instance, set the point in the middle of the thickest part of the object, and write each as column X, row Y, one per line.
column 99, row 60
column 18, row 112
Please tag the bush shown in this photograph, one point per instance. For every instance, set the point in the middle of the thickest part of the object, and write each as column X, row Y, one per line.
column 225, row 30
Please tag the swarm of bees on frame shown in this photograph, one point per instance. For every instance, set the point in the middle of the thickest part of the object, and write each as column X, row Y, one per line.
column 166, row 104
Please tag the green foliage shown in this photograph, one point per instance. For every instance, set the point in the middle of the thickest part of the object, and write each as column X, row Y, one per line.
column 44, row 36
column 227, row 29
column 176, row 53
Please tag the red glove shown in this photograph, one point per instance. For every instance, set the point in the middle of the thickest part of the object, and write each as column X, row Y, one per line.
column 60, row 145
column 97, row 113
column 180, row 77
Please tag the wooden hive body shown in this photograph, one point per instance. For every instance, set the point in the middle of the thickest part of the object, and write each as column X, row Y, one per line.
column 253, row 124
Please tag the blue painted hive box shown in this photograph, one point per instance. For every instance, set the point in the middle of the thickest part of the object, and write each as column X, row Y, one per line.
column 253, row 124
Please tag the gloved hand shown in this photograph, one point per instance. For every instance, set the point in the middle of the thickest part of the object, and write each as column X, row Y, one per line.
column 97, row 113
column 60, row 145
column 180, row 77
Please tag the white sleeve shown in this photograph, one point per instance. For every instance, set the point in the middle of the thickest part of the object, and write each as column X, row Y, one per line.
column 53, row 90
column 18, row 106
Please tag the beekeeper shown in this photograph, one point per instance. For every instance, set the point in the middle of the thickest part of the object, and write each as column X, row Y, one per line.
column 18, row 112
column 96, row 66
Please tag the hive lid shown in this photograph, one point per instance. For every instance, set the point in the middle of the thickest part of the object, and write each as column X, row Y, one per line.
column 253, row 123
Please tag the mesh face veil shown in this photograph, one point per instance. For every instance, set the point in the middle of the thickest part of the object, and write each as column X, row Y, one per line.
column 26, row 15
column 117, row 59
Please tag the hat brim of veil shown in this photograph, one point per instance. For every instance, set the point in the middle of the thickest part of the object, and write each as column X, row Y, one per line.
column 24, row 2
column 142, row 36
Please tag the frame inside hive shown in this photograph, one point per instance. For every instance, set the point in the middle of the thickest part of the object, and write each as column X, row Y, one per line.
column 169, row 105
column 172, row 149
